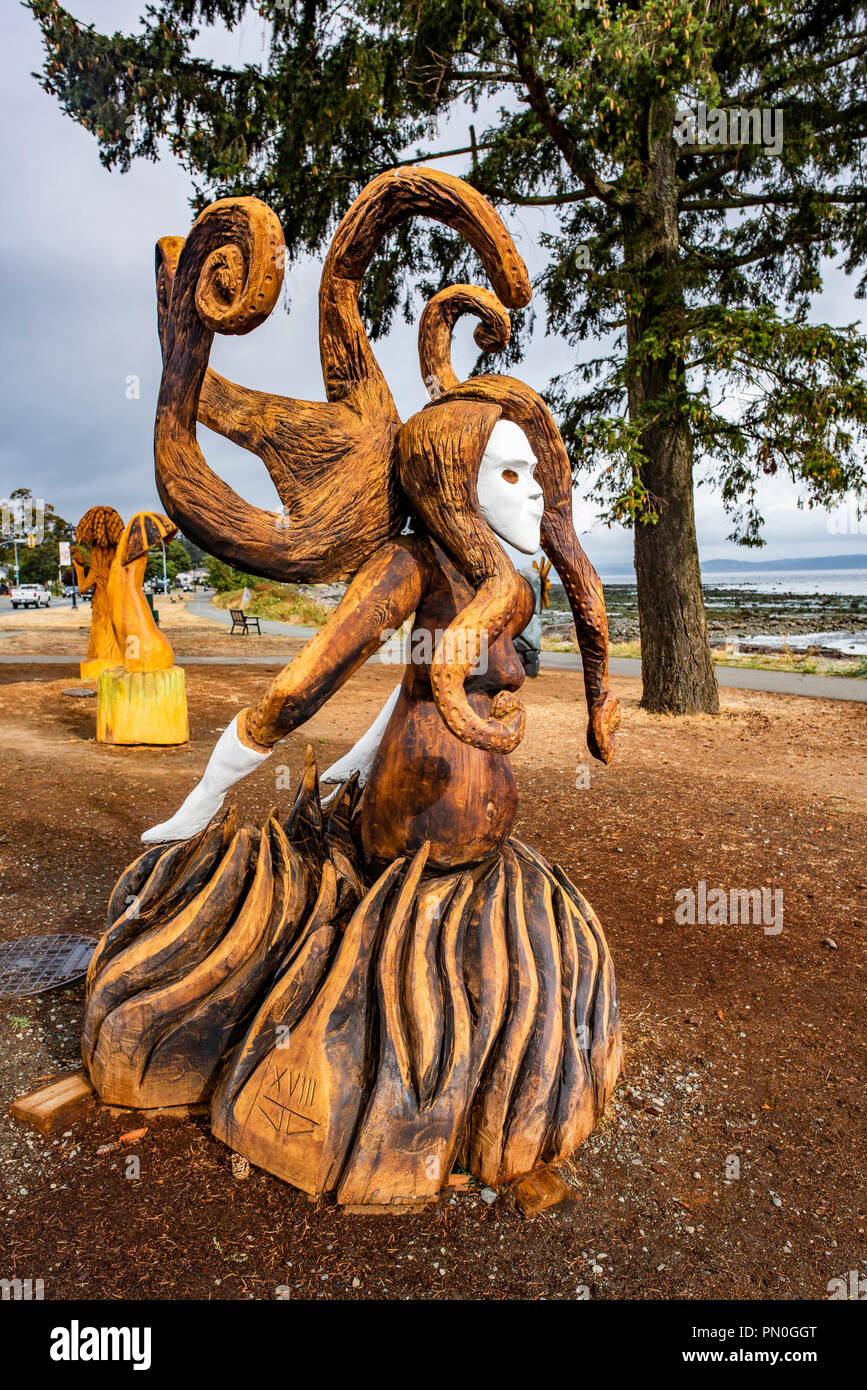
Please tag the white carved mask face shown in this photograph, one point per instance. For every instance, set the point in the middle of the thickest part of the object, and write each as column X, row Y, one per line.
column 510, row 498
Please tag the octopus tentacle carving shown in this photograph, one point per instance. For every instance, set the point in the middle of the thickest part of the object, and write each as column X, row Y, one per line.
column 520, row 403
column 438, row 319
column 332, row 461
column 372, row 991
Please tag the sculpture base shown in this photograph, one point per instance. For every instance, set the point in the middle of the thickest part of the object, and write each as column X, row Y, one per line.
column 356, row 1037
column 92, row 669
column 142, row 707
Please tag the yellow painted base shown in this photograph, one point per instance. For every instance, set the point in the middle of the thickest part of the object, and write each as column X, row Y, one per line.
column 142, row 706
column 92, row 670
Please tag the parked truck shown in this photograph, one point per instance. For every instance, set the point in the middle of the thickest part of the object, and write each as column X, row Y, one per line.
column 30, row 596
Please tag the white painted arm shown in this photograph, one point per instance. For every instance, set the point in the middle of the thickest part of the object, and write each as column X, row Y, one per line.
column 360, row 757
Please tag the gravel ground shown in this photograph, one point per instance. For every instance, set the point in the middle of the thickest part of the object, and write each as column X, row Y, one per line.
column 730, row 1162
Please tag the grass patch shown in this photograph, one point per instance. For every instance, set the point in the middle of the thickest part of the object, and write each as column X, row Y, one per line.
column 281, row 603
column 800, row 663
column 559, row 644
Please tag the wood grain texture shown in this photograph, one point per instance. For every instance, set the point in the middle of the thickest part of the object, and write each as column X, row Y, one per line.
column 356, row 1034
column 374, row 991
column 437, row 321
column 58, row 1103
column 100, row 529
column 415, row 1113
column 142, row 706
column 533, row 1097
column 122, row 629
column 165, row 1003
column 141, row 696
column 332, row 461
column 490, row 1113
column 144, row 647
column 346, row 470
column 427, row 784
column 541, row 1191
column 514, row 400
column 296, row 1113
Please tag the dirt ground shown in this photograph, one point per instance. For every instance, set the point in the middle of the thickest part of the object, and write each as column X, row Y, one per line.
column 731, row 1161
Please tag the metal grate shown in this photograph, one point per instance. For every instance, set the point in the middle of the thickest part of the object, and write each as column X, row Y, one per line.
column 38, row 963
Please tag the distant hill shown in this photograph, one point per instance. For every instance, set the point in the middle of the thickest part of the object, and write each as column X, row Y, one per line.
column 809, row 562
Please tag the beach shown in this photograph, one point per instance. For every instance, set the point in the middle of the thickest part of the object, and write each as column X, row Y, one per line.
column 772, row 611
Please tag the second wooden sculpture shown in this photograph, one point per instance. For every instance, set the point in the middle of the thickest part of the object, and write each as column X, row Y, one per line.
column 373, row 988
column 141, row 693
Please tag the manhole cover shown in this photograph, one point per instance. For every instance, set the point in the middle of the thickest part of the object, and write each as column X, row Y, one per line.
column 39, row 963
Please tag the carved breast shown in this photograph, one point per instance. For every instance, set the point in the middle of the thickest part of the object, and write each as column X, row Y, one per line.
column 425, row 784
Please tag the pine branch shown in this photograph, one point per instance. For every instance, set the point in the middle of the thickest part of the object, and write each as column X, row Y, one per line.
column 538, row 98
column 773, row 200
column 787, row 77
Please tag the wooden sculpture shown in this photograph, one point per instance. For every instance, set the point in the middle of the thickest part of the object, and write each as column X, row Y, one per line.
column 544, row 569
column 141, row 693
column 371, row 991
column 99, row 529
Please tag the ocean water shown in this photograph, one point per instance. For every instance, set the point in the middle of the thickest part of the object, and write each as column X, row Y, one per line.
column 770, row 608
column 822, row 595
column 844, row 583
column 845, row 642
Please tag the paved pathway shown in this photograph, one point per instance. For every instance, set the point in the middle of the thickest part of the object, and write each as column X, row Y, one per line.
column 202, row 609
column 729, row 677
column 742, row 678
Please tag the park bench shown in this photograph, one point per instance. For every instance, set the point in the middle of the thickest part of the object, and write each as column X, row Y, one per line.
column 241, row 623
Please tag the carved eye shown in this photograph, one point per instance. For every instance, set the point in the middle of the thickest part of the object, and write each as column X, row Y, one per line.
column 509, row 475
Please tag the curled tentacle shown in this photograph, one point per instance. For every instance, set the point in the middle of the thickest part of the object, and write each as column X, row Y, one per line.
column 232, row 264
column 449, row 670
column 332, row 461
column 389, row 200
column 226, row 279
column 166, row 256
column 438, row 319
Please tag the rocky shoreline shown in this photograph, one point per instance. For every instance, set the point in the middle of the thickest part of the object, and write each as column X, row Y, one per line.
column 734, row 617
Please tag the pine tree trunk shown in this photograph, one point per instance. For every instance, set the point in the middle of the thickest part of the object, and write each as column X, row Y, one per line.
column 676, row 664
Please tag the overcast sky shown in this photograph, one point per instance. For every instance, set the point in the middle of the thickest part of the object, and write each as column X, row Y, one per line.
column 76, row 260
